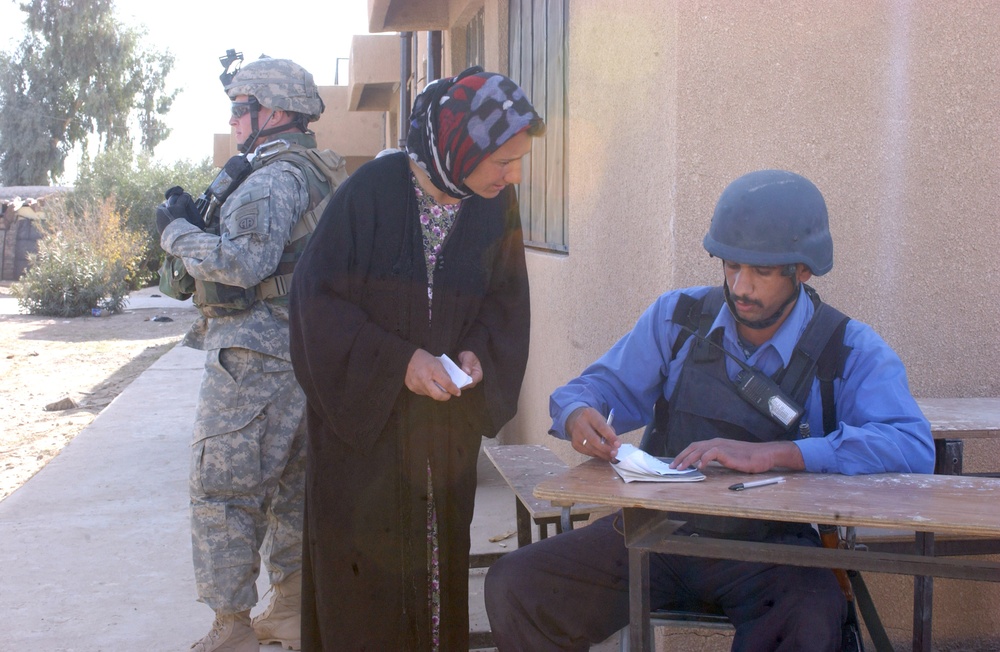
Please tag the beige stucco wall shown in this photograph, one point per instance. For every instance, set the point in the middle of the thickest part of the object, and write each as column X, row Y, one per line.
column 894, row 117
column 374, row 71
column 356, row 135
column 889, row 107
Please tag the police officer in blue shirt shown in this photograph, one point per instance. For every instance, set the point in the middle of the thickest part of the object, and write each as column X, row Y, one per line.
column 770, row 229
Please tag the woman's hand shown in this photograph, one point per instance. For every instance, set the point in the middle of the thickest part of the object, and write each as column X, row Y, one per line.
column 469, row 362
column 426, row 376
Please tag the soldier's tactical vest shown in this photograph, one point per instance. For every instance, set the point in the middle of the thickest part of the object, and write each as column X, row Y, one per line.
column 705, row 403
column 324, row 172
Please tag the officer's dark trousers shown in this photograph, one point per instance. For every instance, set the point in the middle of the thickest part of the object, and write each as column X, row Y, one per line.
column 571, row 591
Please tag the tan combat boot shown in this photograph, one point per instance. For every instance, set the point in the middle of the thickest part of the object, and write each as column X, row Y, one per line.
column 281, row 622
column 230, row 633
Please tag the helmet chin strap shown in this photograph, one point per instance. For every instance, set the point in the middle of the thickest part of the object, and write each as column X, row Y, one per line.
column 767, row 322
column 263, row 131
column 256, row 132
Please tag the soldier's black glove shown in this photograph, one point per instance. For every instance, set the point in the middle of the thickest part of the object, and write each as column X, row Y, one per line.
column 178, row 205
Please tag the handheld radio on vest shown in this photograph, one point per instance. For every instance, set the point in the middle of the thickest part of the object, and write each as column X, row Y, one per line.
column 758, row 389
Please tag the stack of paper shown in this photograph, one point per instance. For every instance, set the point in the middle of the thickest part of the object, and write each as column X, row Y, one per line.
column 459, row 377
column 635, row 464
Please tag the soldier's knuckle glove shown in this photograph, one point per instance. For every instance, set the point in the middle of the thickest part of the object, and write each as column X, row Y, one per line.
column 178, row 205
column 163, row 217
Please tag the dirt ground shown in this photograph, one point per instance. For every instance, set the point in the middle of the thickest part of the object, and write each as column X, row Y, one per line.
column 47, row 361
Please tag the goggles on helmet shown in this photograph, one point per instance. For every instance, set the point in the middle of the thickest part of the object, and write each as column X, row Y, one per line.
column 240, row 109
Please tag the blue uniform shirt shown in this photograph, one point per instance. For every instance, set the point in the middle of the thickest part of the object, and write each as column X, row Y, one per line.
column 880, row 427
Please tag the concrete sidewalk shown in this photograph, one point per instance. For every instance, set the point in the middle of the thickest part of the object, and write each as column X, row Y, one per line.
column 96, row 550
column 140, row 299
column 95, row 547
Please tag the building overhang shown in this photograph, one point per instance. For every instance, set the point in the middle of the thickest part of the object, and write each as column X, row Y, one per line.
column 407, row 15
column 374, row 72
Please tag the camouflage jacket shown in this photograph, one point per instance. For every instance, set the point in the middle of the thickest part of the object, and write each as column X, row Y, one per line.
column 245, row 253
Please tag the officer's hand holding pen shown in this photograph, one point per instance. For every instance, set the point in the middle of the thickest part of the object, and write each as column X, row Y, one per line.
column 592, row 433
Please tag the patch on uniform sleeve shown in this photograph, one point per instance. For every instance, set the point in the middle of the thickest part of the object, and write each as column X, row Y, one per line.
column 247, row 219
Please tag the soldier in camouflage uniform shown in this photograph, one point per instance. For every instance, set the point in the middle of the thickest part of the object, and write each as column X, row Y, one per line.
column 248, row 455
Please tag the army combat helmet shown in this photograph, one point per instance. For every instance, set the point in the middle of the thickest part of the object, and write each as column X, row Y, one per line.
column 771, row 218
column 278, row 84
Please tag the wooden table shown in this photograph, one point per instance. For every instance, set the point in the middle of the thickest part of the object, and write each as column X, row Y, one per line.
column 923, row 504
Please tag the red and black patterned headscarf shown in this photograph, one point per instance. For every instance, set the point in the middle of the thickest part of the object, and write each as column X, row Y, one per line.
column 457, row 122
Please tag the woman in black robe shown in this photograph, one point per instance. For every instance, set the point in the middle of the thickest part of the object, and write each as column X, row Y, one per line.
column 419, row 255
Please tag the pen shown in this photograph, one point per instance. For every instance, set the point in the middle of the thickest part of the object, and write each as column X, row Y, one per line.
column 611, row 418
column 740, row 486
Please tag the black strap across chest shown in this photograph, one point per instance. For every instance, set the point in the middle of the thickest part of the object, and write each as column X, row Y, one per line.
column 819, row 354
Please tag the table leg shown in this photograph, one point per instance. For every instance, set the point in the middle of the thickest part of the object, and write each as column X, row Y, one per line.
column 638, row 524
column 948, row 455
column 640, row 631
column 923, row 597
column 523, row 523
column 565, row 515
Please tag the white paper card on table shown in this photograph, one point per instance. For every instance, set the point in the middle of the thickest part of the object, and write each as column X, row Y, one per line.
column 459, row 377
column 638, row 465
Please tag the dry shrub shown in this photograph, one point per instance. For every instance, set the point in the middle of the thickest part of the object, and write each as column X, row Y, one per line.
column 88, row 259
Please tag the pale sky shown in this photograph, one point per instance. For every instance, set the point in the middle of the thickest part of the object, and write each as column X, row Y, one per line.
column 198, row 32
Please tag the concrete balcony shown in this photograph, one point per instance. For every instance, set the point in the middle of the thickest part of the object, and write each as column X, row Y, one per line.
column 374, row 72
column 407, row 15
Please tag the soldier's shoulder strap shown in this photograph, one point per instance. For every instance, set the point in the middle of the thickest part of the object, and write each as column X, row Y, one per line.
column 695, row 315
column 325, row 171
column 819, row 354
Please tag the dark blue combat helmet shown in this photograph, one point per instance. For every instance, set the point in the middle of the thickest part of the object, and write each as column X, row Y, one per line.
column 772, row 217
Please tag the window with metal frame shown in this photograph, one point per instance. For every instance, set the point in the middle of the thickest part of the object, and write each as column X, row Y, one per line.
column 538, row 64
column 475, row 40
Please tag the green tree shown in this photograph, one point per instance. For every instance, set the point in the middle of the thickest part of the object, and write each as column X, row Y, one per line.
column 136, row 183
column 77, row 72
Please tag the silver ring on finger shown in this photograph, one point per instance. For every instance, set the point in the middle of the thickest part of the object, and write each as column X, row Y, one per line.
column 584, row 443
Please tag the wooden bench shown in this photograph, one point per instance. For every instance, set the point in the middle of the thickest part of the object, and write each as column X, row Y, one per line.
column 524, row 466
column 953, row 420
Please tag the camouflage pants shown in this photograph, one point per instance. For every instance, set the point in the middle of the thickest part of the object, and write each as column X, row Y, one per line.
column 247, row 476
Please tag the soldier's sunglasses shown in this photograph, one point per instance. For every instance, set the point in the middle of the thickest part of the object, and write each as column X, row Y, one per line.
column 240, row 109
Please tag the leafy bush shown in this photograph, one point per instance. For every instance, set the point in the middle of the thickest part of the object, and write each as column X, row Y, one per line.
column 137, row 183
column 88, row 259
